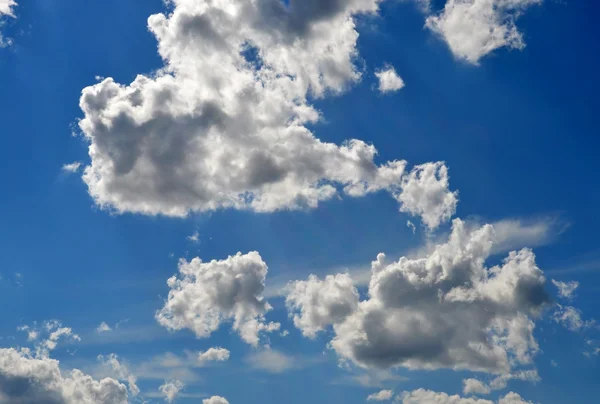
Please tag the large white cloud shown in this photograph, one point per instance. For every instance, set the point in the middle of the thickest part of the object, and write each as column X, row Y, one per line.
column 447, row 310
column 474, row 28
column 206, row 294
column 27, row 379
column 223, row 124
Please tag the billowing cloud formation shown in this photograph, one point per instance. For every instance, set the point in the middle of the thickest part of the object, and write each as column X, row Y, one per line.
column 207, row 294
column 315, row 304
column 121, row 371
column 28, row 379
column 215, row 400
column 447, row 310
column 383, row 395
column 474, row 28
column 223, row 124
column 214, row 355
column 389, row 80
column 422, row 396
column 171, row 389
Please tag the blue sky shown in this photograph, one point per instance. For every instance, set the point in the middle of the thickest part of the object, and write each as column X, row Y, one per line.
column 517, row 130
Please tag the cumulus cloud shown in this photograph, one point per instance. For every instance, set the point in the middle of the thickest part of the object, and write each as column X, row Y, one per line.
column 389, row 80
column 474, row 28
column 215, row 400
column 383, row 395
column 120, row 371
column 48, row 336
column 170, row 390
column 447, row 310
column 315, row 304
column 206, row 294
column 222, row 125
column 425, row 193
column 566, row 290
column 475, row 386
column 28, row 379
column 214, row 355
column 422, row 396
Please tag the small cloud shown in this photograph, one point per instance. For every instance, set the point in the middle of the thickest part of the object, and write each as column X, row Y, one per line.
column 389, row 80
column 284, row 333
column 194, row 238
column 271, row 361
column 71, row 168
column 214, row 355
column 566, row 290
column 553, row 363
column 171, row 389
column 103, row 327
column 383, row 395
column 411, row 226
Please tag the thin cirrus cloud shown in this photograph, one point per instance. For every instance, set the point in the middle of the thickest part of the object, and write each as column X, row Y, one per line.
column 216, row 130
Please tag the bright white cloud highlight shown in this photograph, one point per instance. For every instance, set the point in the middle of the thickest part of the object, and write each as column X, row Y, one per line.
column 422, row 396
column 389, row 80
column 474, row 28
column 223, row 124
column 72, row 167
column 447, row 310
column 121, row 372
column 28, row 379
column 103, row 327
column 206, row 294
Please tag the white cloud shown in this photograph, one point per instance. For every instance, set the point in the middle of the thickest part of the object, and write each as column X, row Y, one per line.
column 474, row 28
column 389, row 80
column 72, row 167
column 6, row 9
column 53, row 332
column 315, row 304
column 28, row 379
column 206, row 294
column 475, row 386
column 170, row 390
column 271, row 361
column 411, row 226
column 515, row 233
column 215, row 400
column 570, row 317
column 214, row 355
column 120, row 371
column 103, row 327
column 217, row 129
column 383, row 395
column 566, row 290
column 425, row 193
column 447, row 310
column 422, row 396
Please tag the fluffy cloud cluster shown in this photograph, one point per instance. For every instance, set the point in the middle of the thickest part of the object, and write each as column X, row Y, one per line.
column 389, row 80
column 214, row 355
column 474, row 28
column 28, row 379
column 475, row 386
column 422, row 396
column 206, row 294
column 447, row 310
column 47, row 337
column 570, row 318
column 171, row 390
column 383, row 395
column 121, row 371
column 222, row 125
